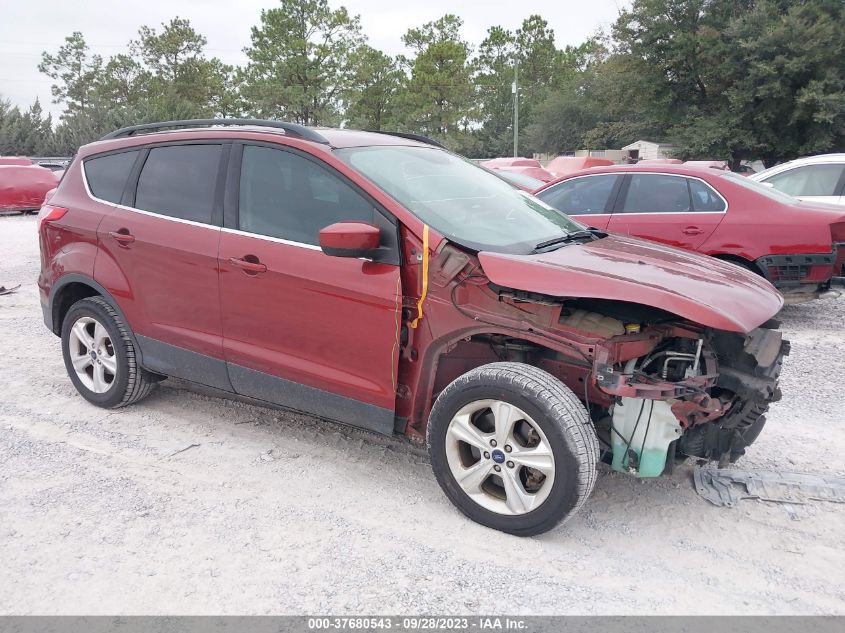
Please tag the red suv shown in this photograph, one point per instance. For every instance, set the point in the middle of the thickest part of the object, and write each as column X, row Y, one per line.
column 381, row 281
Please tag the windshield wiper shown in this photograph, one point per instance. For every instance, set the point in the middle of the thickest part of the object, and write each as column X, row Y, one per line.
column 568, row 238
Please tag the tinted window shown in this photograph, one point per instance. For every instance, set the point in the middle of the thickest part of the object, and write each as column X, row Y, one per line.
column 179, row 181
column 290, row 197
column 655, row 193
column 580, row 196
column 811, row 180
column 704, row 198
column 107, row 175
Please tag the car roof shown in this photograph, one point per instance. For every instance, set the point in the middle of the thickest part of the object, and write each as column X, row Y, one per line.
column 819, row 159
column 696, row 171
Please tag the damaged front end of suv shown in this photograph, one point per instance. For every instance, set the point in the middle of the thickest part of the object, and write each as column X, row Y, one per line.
column 670, row 360
column 530, row 345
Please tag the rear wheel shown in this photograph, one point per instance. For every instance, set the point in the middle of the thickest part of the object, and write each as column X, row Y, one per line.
column 100, row 356
column 513, row 448
column 744, row 263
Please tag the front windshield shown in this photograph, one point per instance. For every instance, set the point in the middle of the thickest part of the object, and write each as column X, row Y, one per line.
column 759, row 187
column 515, row 178
column 462, row 201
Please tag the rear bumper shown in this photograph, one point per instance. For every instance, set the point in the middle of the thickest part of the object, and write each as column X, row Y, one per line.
column 802, row 269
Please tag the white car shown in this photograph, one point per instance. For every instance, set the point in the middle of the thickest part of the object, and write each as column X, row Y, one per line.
column 815, row 179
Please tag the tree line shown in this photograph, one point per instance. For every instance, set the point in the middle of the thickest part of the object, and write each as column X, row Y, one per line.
column 726, row 79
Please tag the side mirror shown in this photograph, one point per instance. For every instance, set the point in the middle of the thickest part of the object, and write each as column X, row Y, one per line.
column 350, row 239
column 768, row 184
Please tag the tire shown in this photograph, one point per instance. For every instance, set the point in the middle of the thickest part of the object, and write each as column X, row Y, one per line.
column 127, row 383
column 749, row 266
column 516, row 395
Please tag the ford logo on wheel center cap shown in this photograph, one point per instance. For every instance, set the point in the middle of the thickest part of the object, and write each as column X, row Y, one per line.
column 498, row 457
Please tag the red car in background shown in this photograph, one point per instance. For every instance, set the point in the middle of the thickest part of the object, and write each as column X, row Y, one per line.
column 661, row 161
column 562, row 165
column 529, row 167
column 23, row 187
column 15, row 160
column 797, row 246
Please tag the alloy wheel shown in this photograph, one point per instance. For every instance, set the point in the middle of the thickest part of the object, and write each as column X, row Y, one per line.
column 92, row 354
column 500, row 457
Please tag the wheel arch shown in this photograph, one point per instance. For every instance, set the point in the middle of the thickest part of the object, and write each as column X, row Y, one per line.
column 739, row 259
column 444, row 360
column 72, row 287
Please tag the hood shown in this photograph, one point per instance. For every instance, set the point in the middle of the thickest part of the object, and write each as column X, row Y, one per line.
column 701, row 289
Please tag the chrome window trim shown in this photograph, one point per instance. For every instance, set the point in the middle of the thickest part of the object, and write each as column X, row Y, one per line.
column 652, row 173
column 268, row 238
column 141, row 211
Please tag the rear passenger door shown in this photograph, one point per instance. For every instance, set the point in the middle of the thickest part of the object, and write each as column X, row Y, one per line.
column 158, row 257
column 589, row 198
column 302, row 329
column 674, row 209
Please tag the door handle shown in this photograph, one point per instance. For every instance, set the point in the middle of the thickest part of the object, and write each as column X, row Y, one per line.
column 692, row 230
column 249, row 264
column 123, row 236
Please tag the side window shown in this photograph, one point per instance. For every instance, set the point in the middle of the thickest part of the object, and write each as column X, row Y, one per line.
column 180, row 181
column 704, row 198
column 288, row 196
column 107, row 175
column 810, row 180
column 581, row 196
column 655, row 193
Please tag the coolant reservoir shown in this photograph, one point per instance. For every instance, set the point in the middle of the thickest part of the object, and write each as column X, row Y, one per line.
column 648, row 438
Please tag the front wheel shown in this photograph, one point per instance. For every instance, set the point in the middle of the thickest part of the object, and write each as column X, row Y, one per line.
column 513, row 448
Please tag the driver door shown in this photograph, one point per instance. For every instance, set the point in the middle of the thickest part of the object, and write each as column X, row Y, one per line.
column 300, row 328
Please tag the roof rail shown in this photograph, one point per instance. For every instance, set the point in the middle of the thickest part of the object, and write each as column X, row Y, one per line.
column 290, row 128
column 413, row 137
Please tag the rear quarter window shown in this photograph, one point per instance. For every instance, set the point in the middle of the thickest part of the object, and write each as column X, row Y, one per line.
column 107, row 175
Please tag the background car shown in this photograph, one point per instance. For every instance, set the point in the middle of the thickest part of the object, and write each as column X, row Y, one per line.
column 709, row 164
column 15, row 160
column 815, row 178
column 518, row 179
column 798, row 246
column 562, row 165
column 660, row 161
column 529, row 167
column 24, row 187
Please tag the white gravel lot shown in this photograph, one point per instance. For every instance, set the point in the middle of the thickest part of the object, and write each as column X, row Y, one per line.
column 278, row 513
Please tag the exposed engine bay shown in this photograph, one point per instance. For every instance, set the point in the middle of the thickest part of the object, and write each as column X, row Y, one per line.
column 658, row 389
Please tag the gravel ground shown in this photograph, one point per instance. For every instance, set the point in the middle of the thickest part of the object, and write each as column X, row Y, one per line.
column 272, row 512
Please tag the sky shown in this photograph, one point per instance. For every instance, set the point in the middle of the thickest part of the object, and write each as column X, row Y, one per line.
column 28, row 27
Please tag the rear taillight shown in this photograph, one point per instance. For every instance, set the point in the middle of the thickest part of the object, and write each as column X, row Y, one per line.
column 50, row 213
